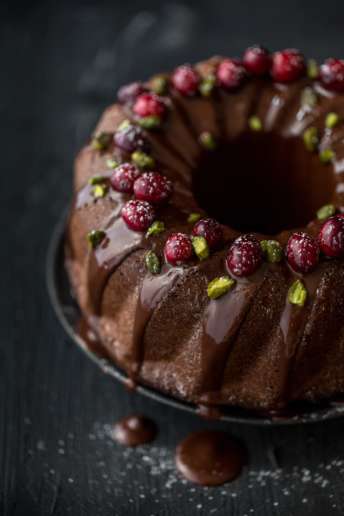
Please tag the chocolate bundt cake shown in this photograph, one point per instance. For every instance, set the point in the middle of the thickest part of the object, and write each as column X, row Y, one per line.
column 205, row 243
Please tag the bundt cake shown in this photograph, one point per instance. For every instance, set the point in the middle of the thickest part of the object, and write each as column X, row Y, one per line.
column 205, row 244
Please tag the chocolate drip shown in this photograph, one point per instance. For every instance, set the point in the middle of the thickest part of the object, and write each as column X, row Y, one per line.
column 134, row 431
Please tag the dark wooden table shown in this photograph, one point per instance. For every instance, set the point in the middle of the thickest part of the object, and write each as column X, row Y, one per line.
column 61, row 63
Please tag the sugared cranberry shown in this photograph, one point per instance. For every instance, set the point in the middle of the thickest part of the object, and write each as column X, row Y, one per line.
column 149, row 104
column 178, row 248
column 230, row 74
column 302, row 252
column 244, row 256
column 123, row 177
column 332, row 74
column 287, row 65
column 153, row 187
column 257, row 60
column 138, row 215
column 129, row 92
column 185, row 80
column 331, row 237
column 130, row 137
column 211, row 230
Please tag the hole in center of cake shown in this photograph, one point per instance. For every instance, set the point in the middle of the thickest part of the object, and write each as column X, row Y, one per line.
column 262, row 182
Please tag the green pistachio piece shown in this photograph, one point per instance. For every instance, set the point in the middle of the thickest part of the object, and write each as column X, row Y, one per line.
column 111, row 163
column 272, row 250
column 331, row 120
column 326, row 211
column 156, row 228
column 311, row 139
column 95, row 237
column 193, row 218
column 149, row 122
column 200, row 246
column 309, row 98
column 142, row 160
column 255, row 124
column 219, row 286
column 96, row 180
column 99, row 191
column 326, row 156
column 152, row 262
column 101, row 141
column 123, row 125
column 207, row 85
column 159, row 84
column 297, row 293
column 207, row 140
column 312, row 69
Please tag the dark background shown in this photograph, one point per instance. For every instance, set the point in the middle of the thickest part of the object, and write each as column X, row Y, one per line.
column 61, row 63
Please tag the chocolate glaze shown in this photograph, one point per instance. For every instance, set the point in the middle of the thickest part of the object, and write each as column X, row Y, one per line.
column 210, row 458
column 134, row 430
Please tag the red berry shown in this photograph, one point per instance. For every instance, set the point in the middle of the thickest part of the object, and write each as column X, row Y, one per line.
column 178, row 249
column 149, row 104
column 123, row 177
column 302, row 252
column 153, row 187
column 331, row 237
column 257, row 60
column 230, row 74
column 185, row 80
column 244, row 256
column 287, row 65
column 129, row 138
column 211, row 230
column 138, row 215
column 129, row 92
column 332, row 74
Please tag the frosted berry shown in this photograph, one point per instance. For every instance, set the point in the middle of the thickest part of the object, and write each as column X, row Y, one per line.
column 138, row 215
column 153, row 187
column 211, row 230
column 130, row 138
column 178, row 249
column 230, row 74
column 331, row 237
column 123, row 177
column 302, row 252
column 185, row 80
column 129, row 92
column 288, row 65
column 149, row 104
column 257, row 60
column 244, row 256
column 332, row 74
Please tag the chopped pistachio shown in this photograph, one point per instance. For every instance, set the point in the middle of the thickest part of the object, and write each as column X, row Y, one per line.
column 272, row 250
column 309, row 98
column 207, row 140
column 111, row 163
column 219, row 286
column 311, row 139
column 312, row 69
column 101, row 141
column 255, row 124
column 152, row 262
column 149, row 122
column 142, row 160
column 326, row 211
column 159, row 84
column 99, row 191
column 96, row 180
column 200, row 246
column 193, row 217
column 331, row 120
column 123, row 125
column 95, row 237
column 297, row 293
column 326, row 155
column 156, row 228
column 207, row 85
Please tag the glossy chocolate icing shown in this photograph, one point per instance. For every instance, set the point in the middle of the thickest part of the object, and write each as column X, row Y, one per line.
column 134, row 430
